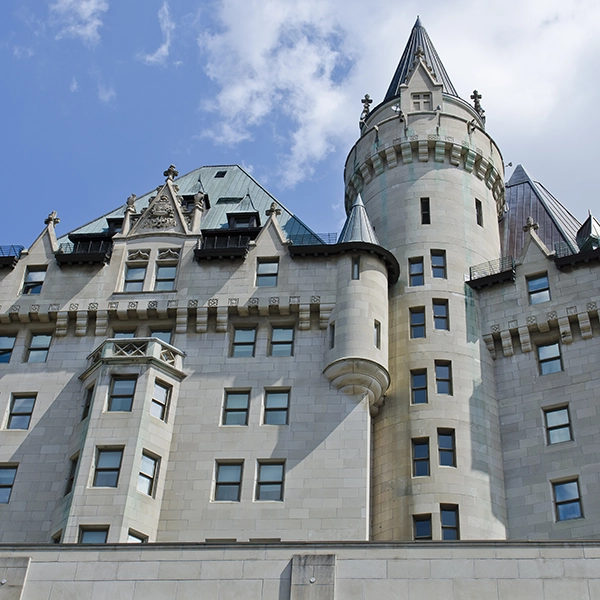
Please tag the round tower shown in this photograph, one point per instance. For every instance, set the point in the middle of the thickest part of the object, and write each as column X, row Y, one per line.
column 431, row 180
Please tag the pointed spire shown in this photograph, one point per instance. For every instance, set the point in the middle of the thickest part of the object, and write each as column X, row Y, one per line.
column 419, row 44
column 357, row 227
column 588, row 236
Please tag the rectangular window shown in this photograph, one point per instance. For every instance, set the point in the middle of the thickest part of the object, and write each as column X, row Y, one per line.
column 421, row 101
column 108, row 465
column 282, row 341
column 134, row 278
column 425, row 212
column 377, row 334
column 420, row 452
column 567, row 500
column 38, row 348
column 235, row 409
column 135, row 537
column 331, row 336
column 165, row 278
column 422, row 527
column 443, row 377
column 93, row 535
column 449, row 519
column 417, row 322
column 87, row 403
column 148, row 474
column 418, row 386
column 479, row 212
column 356, row 268
column 276, row 407
column 549, row 358
column 164, row 335
column 21, row 409
column 122, row 390
column 123, row 334
column 228, row 482
column 269, row 484
column 440, row 314
column 72, row 474
column 160, row 401
column 415, row 268
column 447, row 447
column 538, row 288
column 243, row 343
column 266, row 272
column 7, row 480
column 34, row 279
column 7, row 343
column 438, row 264
column 558, row 425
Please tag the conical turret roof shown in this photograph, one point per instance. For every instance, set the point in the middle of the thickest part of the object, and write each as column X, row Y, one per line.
column 419, row 39
column 588, row 236
column 357, row 227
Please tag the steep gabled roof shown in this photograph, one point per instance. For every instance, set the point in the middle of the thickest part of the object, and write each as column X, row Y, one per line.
column 226, row 186
column 357, row 227
column 528, row 198
column 419, row 39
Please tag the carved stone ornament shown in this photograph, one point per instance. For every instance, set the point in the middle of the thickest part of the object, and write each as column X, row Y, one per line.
column 274, row 301
column 315, row 299
column 161, row 214
column 132, row 305
column 213, row 302
column 530, row 224
column 53, row 307
column 171, row 172
column 34, row 308
column 52, row 218
column 139, row 255
column 531, row 320
column 192, row 303
column 15, row 308
column 168, row 254
column 253, row 302
column 153, row 304
column 93, row 306
column 233, row 301
column 273, row 210
column 113, row 305
column 74, row 306
column 294, row 299
column 591, row 306
column 172, row 303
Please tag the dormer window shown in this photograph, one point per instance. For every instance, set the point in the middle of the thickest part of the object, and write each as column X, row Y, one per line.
column 243, row 221
column 421, row 101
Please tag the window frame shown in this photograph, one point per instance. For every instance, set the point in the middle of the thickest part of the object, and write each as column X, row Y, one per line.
column 565, row 425
column 83, row 529
column 267, row 279
column 20, row 414
column 547, row 364
column 87, row 402
column 131, row 284
column 538, row 295
column 417, row 322
column 42, row 350
column 421, row 97
column 441, row 380
column 233, row 484
column 160, row 282
column 236, row 410
column 5, row 484
column 422, row 518
column 5, row 351
column 100, row 471
column 33, row 286
column 159, row 405
column 558, row 504
column 243, row 344
column 478, row 212
column 276, row 410
column 281, row 343
column 414, row 276
column 135, row 537
column 112, row 396
column 262, row 481
column 73, row 466
column 355, row 271
column 160, row 333
column 418, row 390
column 439, row 271
column 418, row 461
column 441, row 319
column 425, row 205
column 332, row 335
column 455, row 528
column 377, row 334
column 446, row 452
column 150, row 479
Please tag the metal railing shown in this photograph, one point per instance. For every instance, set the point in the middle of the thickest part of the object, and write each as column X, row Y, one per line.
column 494, row 267
column 214, row 242
column 563, row 249
column 90, row 247
column 309, row 239
column 11, row 251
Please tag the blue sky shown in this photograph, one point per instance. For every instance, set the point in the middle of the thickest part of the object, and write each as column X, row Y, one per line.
column 100, row 96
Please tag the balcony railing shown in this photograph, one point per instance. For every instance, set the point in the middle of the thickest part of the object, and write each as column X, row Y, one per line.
column 137, row 350
column 489, row 273
column 309, row 239
column 565, row 256
column 90, row 252
column 9, row 255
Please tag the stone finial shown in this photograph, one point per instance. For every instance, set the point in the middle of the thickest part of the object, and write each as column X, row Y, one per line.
column 419, row 53
column 531, row 224
column 366, row 102
column 52, row 218
column 273, row 210
column 171, row 173
column 476, row 97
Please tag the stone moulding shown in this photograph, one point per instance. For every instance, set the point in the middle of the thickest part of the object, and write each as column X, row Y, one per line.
column 360, row 377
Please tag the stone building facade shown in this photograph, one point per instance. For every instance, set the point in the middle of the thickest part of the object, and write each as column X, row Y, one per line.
column 251, row 408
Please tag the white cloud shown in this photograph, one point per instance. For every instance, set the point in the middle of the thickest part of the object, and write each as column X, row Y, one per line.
column 79, row 18
column 22, row 52
column 167, row 26
column 296, row 70
column 74, row 87
column 106, row 94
